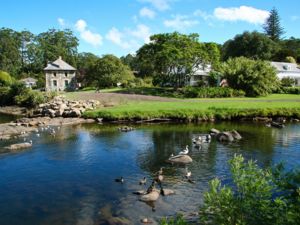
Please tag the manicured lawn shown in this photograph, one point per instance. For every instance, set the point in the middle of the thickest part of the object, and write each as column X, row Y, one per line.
column 224, row 108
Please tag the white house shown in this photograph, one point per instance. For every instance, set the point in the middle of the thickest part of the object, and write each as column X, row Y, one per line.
column 59, row 75
column 29, row 82
column 199, row 73
column 291, row 70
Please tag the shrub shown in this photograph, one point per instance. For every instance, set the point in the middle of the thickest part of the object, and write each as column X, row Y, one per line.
column 178, row 220
column 258, row 196
column 5, row 97
column 29, row 98
column 290, row 59
column 290, row 90
column 5, row 79
column 212, row 92
column 287, row 82
column 255, row 77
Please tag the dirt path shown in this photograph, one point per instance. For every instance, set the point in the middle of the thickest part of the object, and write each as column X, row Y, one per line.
column 116, row 98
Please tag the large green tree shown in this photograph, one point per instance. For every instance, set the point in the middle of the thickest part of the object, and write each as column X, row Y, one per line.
column 253, row 45
column 109, row 70
column 54, row 43
column 255, row 77
column 272, row 26
column 85, row 63
column 10, row 58
column 171, row 58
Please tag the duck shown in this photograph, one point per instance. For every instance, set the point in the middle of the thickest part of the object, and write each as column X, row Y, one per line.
column 202, row 139
column 143, row 181
column 160, row 172
column 184, row 151
column 37, row 134
column 120, row 180
column 188, row 173
column 160, row 178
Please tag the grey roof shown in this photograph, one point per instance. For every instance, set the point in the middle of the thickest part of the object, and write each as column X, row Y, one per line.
column 59, row 64
column 286, row 67
column 29, row 80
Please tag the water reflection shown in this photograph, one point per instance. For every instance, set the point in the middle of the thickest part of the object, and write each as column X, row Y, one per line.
column 69, row 178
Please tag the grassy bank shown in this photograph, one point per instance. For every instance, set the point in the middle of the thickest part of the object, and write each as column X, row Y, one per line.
column 203, row 109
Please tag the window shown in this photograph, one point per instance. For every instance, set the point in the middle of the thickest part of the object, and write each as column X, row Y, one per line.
column 55, row 83
column 66, row 74
column 66, row 83
column 54, row 74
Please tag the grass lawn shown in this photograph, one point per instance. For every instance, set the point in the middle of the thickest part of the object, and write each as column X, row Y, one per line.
column 222, row 108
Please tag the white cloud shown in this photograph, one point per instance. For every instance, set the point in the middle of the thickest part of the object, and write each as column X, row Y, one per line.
column 142, row 32
column 161, row 5
column 180, row 22
column 295, row 18
column 94, row 39
column 116, row 37
column 61, row 22
column 204, row 15
column 242, row 13
column 146, row 12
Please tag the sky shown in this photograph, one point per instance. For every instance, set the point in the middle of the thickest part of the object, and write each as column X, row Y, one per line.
column 120, row 27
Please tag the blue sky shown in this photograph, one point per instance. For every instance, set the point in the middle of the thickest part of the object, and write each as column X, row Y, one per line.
column 122, row 26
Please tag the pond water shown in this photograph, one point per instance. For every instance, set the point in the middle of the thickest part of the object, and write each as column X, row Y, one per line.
column 69, row 178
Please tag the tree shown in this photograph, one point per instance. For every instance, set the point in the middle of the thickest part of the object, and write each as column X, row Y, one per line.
column 5, row 79
column 253, row 45
column 255, row 77
column 289, row 47
column 171, row 58
column 85, row 63
column 109, row 70
column 272, row 26
column 10, row 44
column 54, row 43
column 131, row 61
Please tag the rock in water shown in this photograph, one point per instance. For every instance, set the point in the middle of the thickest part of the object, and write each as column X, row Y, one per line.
column 214, row 131
column 225, row 136
column 150, row 197
column 236, row 135
column 19, row 146
column 184, row 159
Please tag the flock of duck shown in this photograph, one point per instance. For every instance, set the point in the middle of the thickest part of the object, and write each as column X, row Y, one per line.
column 152, row 193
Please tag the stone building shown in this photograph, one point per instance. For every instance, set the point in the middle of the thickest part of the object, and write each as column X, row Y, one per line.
column 59, row 76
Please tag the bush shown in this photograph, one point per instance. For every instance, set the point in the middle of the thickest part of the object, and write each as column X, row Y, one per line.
column 5, row 97
column 30, row 98
column 255, row 77
column 287, row 82
column 258, row 196
column 212, row 92
column 178, row 220
column 290, row 90
column 5, row 79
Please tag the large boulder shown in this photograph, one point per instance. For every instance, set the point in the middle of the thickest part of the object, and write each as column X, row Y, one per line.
column 224, row 136
column 150, row 197
column 236, row 135
column 214, row 131
column 180, row 159
column 19, row 146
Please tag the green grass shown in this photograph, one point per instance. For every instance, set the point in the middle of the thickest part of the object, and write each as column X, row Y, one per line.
column 204, row 109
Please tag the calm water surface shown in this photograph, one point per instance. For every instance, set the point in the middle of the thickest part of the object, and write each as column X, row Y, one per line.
column 69, row 178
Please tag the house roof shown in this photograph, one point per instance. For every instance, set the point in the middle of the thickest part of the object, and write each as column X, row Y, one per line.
column 29, row 80
column 286, row 67
column 59, row 64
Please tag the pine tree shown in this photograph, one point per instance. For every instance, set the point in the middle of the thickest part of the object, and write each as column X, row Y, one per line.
column 272, row 26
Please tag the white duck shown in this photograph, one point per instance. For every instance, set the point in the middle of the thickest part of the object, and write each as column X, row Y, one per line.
column 188, row 173
column 184, row 151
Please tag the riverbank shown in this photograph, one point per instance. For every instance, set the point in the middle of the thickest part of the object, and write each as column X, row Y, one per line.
column 26, row 125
